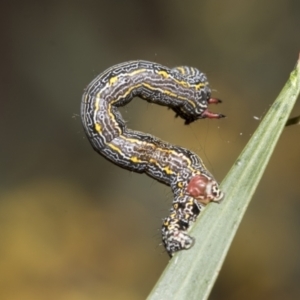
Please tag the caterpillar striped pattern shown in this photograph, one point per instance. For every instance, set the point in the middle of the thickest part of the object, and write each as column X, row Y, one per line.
column 186, row 91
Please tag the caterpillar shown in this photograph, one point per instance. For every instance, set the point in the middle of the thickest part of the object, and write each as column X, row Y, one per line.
column 186, row 91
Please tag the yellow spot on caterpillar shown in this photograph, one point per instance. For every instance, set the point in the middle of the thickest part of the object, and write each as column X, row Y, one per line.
column 135, row 160
column 168, row 170
column 179, row 184
column 98, row 127
column 153, row 161
column 200, row 85
column 173, row 215
column 164, row 74
column 113, row 80
column 181, row 69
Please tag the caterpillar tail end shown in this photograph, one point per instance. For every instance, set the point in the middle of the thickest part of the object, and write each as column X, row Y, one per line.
column 177, row 240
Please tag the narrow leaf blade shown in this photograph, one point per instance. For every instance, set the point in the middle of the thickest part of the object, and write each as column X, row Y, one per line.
column 191, row 274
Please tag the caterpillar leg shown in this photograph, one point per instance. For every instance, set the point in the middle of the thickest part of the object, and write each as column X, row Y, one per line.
column 174, row 235
column 185, row 211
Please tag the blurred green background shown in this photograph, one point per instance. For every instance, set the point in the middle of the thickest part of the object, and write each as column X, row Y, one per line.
column 74, row 226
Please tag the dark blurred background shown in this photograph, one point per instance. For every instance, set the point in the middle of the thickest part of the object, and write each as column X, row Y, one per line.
column 74, row 226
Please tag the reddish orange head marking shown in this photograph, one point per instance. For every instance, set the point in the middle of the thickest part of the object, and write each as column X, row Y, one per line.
column 204, row 189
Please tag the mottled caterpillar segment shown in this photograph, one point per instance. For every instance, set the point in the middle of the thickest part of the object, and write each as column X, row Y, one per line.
column 186, row 91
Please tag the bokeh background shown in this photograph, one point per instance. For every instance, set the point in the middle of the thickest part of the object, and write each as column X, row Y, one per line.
column 74, row 226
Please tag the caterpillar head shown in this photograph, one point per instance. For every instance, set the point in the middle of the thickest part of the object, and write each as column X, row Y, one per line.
column 204, row 189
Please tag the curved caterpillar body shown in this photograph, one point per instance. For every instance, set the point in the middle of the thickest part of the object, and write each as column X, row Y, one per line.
column 186, row 91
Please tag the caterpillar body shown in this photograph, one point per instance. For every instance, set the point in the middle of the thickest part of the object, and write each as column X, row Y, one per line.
column 186, row 91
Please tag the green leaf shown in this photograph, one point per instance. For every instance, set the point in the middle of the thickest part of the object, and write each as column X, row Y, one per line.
column 191, row 274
